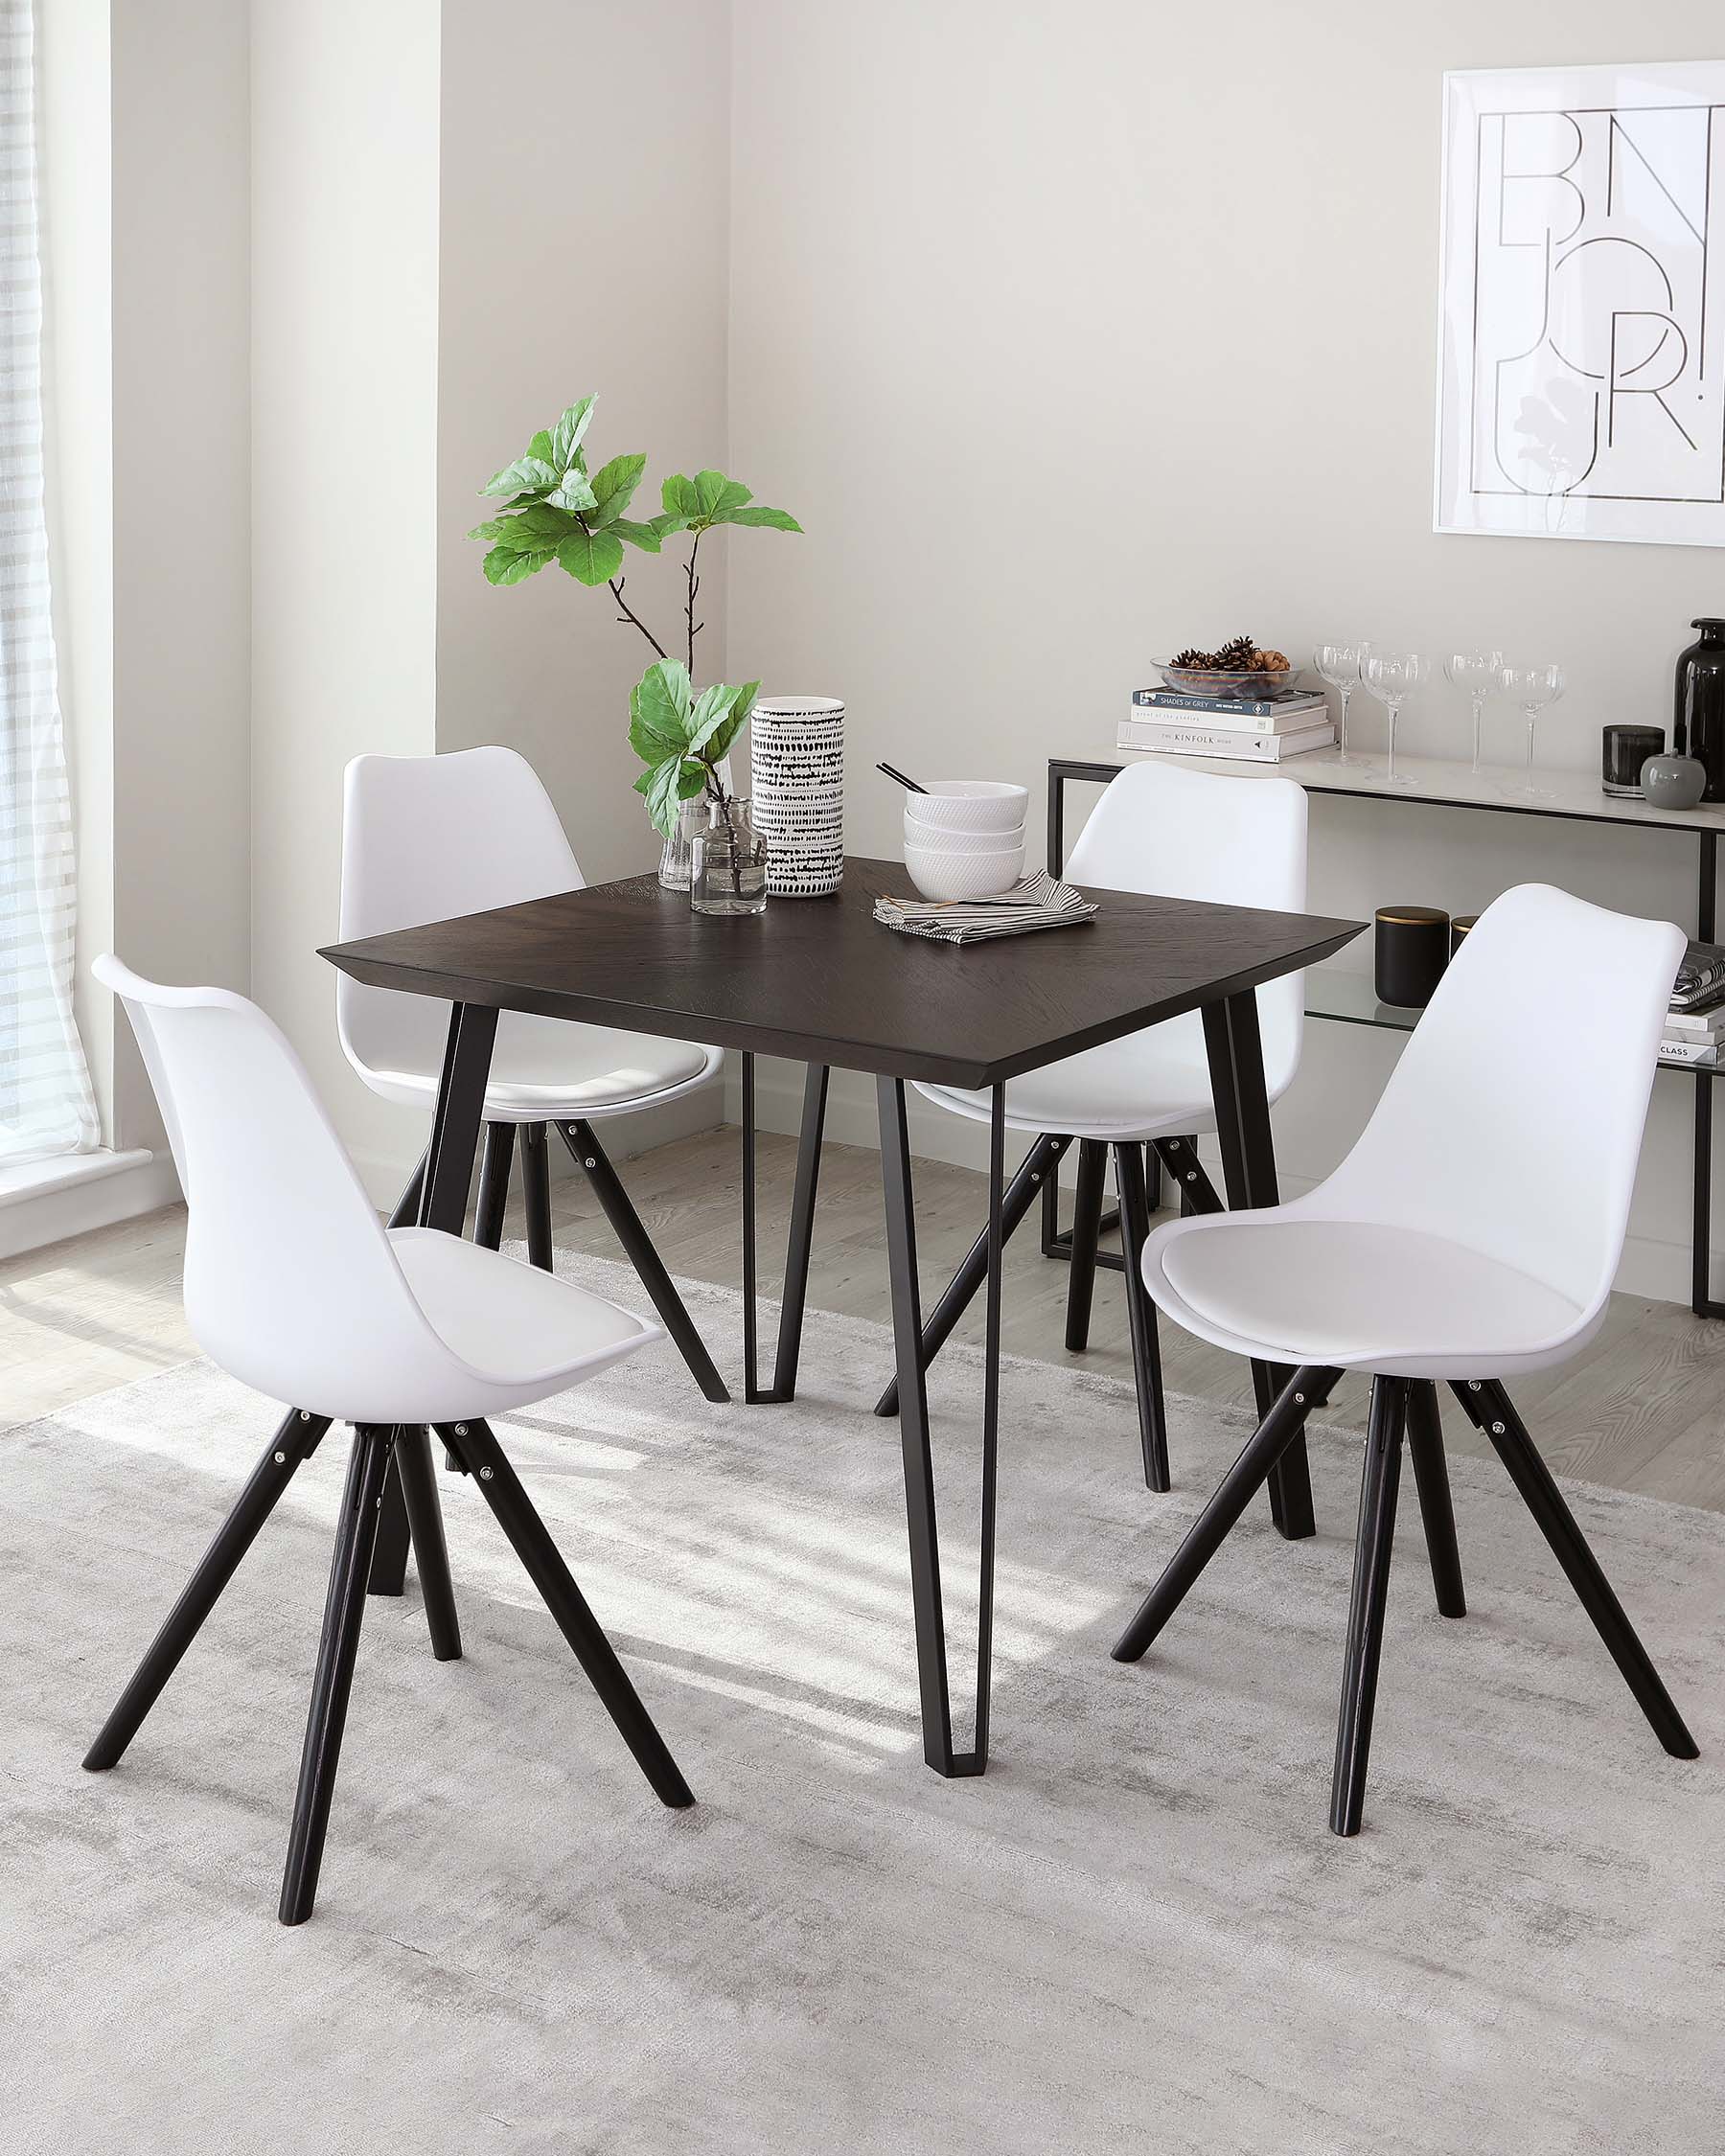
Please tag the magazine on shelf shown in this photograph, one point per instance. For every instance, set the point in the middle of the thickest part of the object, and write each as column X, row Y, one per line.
column 1262, row 715
column 1172, row 738
column 1707, row 1023
column 1678, row 1050
column 1701, row 977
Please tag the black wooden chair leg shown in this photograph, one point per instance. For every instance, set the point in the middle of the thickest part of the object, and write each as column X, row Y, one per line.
column 493, row 1186
column 1378, row 1486
column 1086, row 1228
column 1431, row 1476
column 1487, row 1404
column 1305, row 1390
column 535, row 1190
column 500, row 1486
column 412, row 1455
column 296, row 1440
column 1036, row 1170
column 588, row 1155
column 344, row 1611
column 1141, row 1313
column 1178, row 1155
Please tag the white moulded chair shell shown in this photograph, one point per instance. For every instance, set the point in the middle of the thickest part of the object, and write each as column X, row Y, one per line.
column 1174, row 834
column 294, row 1287
column 431, row 837
column 1470, row 1236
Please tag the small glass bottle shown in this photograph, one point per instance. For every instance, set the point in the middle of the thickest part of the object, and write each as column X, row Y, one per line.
column 729, row 864
column 1698, row 717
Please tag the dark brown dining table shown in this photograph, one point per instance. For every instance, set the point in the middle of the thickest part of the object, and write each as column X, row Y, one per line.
column 822, row 982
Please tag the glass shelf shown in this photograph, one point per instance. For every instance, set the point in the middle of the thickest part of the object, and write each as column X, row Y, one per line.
column 1350, row 999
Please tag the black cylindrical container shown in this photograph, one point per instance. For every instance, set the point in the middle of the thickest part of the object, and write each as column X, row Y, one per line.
column 1411, row 949
column 1698, row 724
column 1458, row 929
column 1622, row 751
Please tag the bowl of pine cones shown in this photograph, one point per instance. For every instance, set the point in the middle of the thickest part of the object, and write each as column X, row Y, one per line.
column 1240, row 669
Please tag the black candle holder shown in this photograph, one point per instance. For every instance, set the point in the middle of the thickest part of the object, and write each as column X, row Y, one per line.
column 1622, row 751
column 1411, row 948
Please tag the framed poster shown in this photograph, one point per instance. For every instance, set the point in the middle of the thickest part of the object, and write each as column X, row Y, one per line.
column 1581, row 363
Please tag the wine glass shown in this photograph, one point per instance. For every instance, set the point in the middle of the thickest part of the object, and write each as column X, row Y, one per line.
column 1475, row 674
column 1340, row 664
column 1533, row 687
column 1392, row 676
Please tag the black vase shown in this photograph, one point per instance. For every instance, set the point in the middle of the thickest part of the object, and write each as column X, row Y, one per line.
column 1698, row 721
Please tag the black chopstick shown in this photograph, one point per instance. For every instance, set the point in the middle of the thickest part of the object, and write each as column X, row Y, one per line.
column 909, row 783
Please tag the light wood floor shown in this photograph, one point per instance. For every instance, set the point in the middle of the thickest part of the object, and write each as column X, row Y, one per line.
column 1642, row 1409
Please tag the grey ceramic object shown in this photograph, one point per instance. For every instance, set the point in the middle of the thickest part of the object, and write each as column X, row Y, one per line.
column 1673, row 782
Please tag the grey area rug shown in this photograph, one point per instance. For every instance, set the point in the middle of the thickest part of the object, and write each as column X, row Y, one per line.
column 1136, row 1932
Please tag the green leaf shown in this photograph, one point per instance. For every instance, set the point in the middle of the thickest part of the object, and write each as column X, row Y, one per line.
column 644, row 536
column 612, row 485
column 493, row 528
column 710, row 710
column 540, row 446
column 719, row 495
column 774, row 519
column 659, row 711
column 682, row 504
column 669, row 783
column 591, row 557
column 728, row 724
column 571, row 491
column 571, row 428
column 504, row 564
column 531, row 476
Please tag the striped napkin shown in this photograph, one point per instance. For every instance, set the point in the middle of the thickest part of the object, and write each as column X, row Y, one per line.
column 1039, row 902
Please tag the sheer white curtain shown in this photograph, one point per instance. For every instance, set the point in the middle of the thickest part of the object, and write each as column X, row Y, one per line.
column 45, row 1102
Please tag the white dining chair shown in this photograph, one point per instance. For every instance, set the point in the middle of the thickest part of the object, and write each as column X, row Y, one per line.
column 294, row 1286
column 1172, row 834
column 1471, row 1236
column 426, row 838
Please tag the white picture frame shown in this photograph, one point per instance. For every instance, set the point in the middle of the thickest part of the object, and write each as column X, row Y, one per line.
column 1581, row 344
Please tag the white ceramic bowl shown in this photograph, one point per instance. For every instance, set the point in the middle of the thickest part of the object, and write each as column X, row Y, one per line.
column 936, row 841
column 969, row 805
column 939, row 874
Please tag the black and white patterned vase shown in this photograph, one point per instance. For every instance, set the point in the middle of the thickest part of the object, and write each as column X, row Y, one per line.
column 797, row 748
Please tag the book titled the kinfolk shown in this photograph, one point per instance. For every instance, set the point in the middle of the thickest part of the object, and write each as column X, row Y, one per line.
column 1254, row 715
column 1679, row 1050
column 1172, row 737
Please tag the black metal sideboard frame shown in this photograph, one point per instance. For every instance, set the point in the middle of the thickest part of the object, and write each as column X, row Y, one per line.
column 1063, row 769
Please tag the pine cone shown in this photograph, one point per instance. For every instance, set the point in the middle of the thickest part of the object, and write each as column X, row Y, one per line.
column 1270, row 662
column 1193, row 657
column 1235, row 656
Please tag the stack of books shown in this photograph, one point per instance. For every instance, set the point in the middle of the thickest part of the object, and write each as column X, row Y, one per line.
column 1696, row 1023
column 1248, row 730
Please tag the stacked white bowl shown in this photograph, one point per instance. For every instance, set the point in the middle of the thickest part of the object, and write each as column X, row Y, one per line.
column 965, row 838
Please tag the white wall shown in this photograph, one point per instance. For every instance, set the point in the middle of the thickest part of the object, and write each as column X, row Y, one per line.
column 1075, row 334
column 589, row 253
column 344, row 226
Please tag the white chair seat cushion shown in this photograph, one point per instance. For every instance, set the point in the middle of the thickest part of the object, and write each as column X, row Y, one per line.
column 524, row 1332
column 1153, row 1084
column 546, row 1069
column 1355, row 1296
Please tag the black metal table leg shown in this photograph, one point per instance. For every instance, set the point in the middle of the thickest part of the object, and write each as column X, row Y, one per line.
column 1701, row 1296
column 913, row 1428
column 1035, row 1171
column 798, row 1243
column 1236, row 1068
column 443, row 1178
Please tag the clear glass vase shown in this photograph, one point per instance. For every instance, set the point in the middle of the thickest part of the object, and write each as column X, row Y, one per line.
column 677, row 857
column 727, row 869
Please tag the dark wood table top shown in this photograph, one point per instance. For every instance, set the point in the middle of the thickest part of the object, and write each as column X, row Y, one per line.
column 820, row 980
